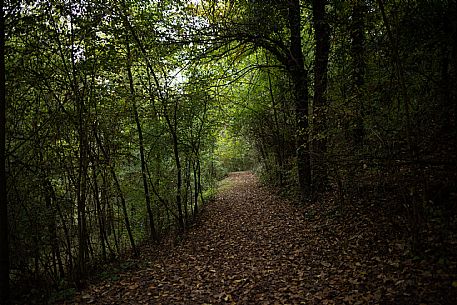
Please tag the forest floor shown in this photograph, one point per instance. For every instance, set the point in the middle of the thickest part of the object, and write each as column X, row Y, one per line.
column 249, row 246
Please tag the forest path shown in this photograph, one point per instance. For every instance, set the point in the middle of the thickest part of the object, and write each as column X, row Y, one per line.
column 248, row 248
column 251, row 247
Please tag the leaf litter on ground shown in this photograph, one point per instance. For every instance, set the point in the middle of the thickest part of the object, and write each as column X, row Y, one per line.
column 252, row 247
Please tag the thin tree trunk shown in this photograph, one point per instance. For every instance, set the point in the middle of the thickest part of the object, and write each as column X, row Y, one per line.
column 81, row 182
column 147, row 195
column 196, row 189
column 186, row 193
column 50, row 200
column 101, row 226
column 179, row 179
column 67, row 239
column 121, row 195
column 115, row 237
column 81, row 205
column 173, row 128
column 124, row 211
column 200, row 188
column 413, row 149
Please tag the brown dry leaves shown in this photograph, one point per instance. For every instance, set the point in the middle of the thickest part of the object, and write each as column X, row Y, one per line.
column 250, row 247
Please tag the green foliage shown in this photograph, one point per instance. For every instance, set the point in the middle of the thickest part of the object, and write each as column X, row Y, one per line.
column 211, row 86
column 234, row 153
column 74, row 160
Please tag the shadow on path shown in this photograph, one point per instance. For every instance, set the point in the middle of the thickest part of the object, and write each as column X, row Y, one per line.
column 247, row 249
column 251, row 247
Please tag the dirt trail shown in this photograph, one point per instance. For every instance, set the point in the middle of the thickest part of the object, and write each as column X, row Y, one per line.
column 246, row 249
column 250, row 247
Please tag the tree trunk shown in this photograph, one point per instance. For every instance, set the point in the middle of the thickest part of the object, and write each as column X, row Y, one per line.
column 68, row 244
column 81, row 199
column 299, row 77
column 449, row 70
column 173, row 128
column 196, row 188
column 276, row 130
column 188, row 190
column 322, row 39
column 147, row 195
column 400, row 73
column 121, row 195
column 83, row 163
column 51, row 201
column 4, row 247
column 99, row 215
column 179, row 180
column 358, row 68
column 125, row 212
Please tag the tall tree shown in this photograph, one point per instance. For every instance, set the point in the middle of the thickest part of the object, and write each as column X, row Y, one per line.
column 147, row 194
column 4, row 247
column 83, row 149
column 357, row 31
column 289, row 52
column 322, row 40
column 299, row 76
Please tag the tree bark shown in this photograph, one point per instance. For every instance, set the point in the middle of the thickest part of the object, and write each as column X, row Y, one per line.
column 358, row 68
column 81, row 189
column 50, row 199
column 99, row 215
column 322, row 39
column 81, row 200
column 121, row 196
column 147, row 194
column 178, row 177
column 68, row 244
column 4, row 247
column 125, row 212
column 196, row 188
column 299, row 76
column 187, row 190
column 277, row 141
